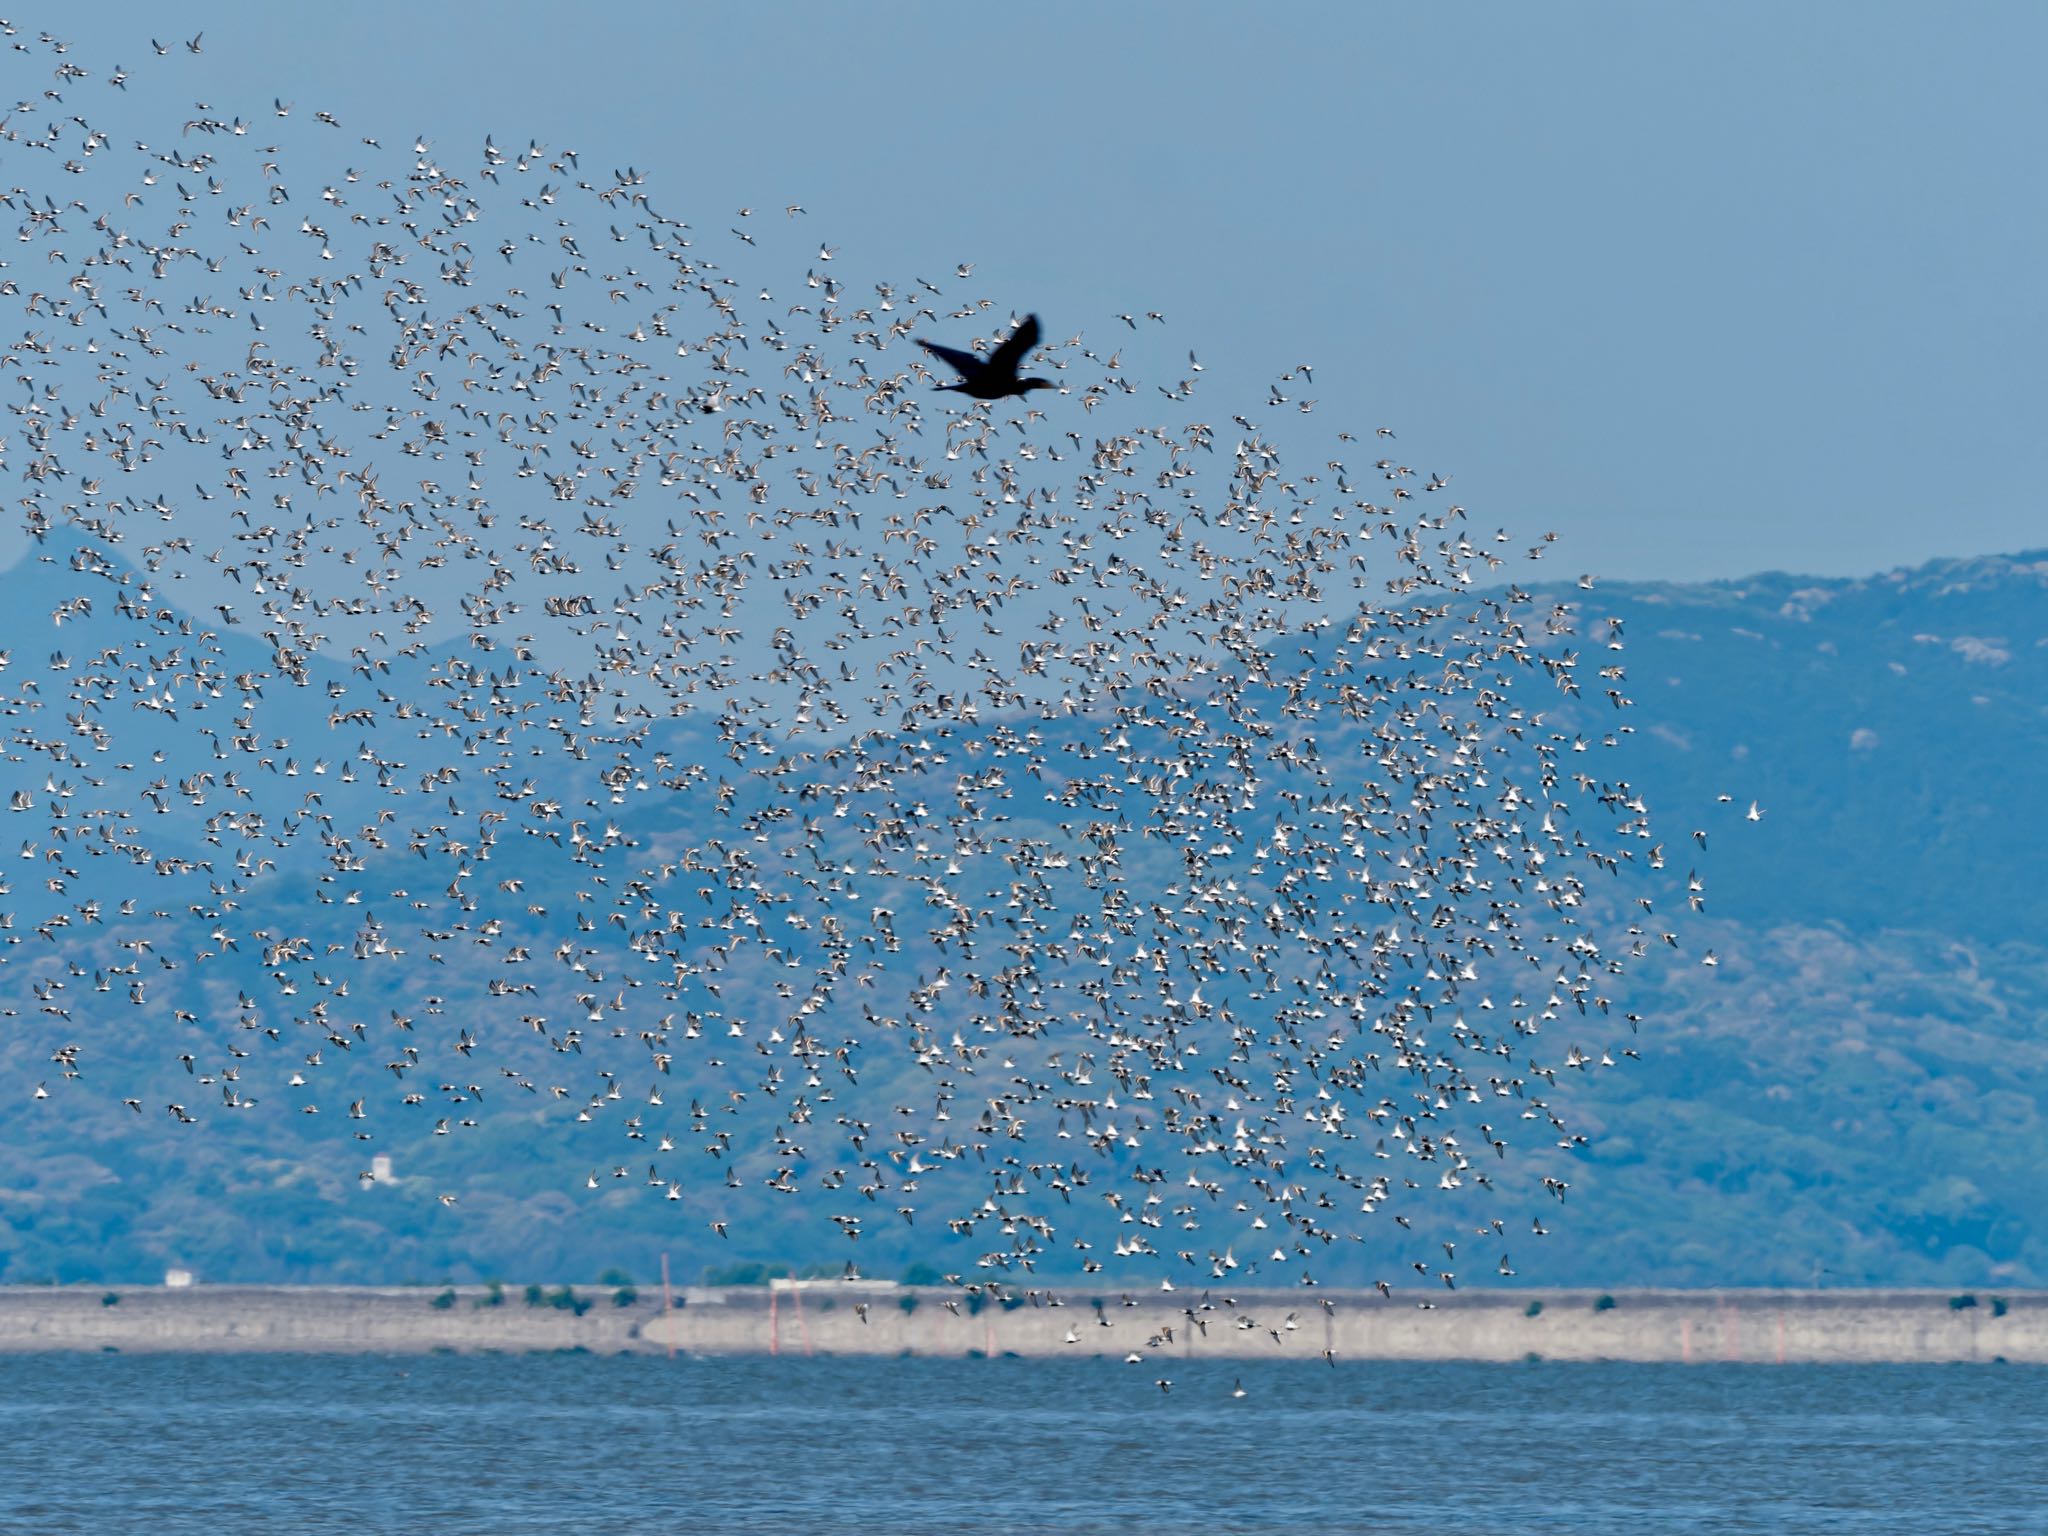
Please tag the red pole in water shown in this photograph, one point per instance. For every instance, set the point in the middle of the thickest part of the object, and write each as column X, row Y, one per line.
column 668, row 1307
column 803, row 1328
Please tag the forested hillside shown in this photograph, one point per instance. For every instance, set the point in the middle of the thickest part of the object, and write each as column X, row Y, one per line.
column 1852, row 1092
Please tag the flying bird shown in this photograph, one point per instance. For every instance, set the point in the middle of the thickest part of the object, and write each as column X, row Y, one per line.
column 993, row 377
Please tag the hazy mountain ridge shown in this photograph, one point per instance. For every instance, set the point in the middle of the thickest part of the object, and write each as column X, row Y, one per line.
column 1893, row 730
column 1856, row 1092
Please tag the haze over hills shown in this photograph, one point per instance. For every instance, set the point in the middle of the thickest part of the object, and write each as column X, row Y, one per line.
column 1853, row 1093
column 1894, row 726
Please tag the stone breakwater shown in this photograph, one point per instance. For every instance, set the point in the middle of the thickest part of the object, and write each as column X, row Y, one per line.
column 834, row 1318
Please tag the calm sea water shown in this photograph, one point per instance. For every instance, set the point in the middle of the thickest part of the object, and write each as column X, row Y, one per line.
column 566, row 1443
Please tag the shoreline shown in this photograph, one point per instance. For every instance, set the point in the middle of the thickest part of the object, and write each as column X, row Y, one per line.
column 840, row 1318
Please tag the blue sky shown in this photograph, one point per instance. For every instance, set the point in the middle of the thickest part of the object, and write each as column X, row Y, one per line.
column 1707, row 289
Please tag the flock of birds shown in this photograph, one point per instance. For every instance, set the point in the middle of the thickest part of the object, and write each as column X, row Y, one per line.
column 499, row 654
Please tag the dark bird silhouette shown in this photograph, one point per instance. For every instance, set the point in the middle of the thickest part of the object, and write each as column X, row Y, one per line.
column 994, row 377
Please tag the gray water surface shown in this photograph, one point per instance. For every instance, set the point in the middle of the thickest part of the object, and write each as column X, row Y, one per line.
column 558, row 1443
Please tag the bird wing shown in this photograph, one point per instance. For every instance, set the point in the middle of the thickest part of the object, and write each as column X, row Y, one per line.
column 965, row 362
column 1009, row 357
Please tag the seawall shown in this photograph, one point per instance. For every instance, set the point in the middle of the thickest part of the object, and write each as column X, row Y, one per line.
column 834, row 1318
